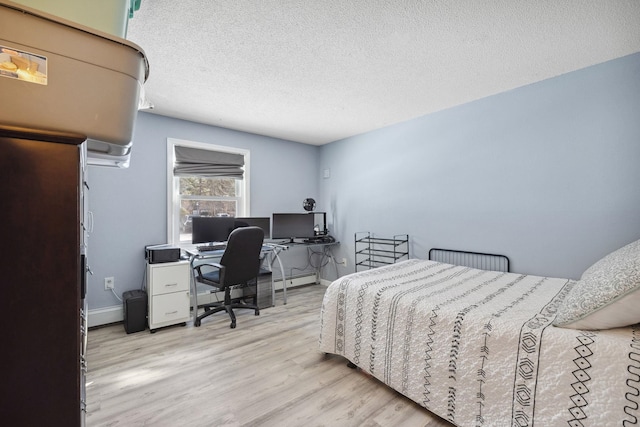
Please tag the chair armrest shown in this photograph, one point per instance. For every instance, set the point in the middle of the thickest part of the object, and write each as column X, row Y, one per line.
column 211, row 264
column 208, row 264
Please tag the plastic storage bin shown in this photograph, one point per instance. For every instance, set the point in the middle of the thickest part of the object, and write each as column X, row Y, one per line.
column 58, row 75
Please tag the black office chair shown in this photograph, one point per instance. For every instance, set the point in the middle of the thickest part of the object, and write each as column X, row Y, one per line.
column 239, row 266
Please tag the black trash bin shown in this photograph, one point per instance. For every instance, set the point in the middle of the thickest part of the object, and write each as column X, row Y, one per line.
column 135, row 311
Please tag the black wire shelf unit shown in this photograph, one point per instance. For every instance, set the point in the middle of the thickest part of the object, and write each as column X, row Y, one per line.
column 372, row 252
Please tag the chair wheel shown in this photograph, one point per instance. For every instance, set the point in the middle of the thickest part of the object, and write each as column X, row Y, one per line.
column 257, row 312
column 196, row 323
column 233, row 325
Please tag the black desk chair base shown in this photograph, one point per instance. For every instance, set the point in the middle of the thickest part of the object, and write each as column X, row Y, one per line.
column 228, row 305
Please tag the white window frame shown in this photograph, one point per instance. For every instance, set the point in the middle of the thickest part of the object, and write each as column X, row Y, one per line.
column 173, row 186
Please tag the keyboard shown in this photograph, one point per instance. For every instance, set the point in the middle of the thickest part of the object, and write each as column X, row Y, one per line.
column 211, row 248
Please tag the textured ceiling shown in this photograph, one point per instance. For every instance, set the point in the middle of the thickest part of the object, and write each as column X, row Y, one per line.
column 316, row 71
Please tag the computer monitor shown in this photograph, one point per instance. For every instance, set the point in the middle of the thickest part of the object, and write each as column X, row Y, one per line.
column 207, row 229
column 262, row 222
column 292, row 226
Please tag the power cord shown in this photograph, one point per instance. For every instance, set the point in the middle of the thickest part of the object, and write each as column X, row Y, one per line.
column 113, row 291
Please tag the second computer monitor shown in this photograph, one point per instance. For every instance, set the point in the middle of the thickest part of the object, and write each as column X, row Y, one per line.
column 208, row 229
column 262, row 222
column 292, row 226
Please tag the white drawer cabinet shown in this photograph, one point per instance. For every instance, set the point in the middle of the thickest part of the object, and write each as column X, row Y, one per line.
column 168, row 290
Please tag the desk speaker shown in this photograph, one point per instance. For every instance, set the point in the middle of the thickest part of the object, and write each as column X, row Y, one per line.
column 135, row 311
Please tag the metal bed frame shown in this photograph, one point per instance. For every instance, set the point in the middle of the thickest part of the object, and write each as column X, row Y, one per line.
column 483, row 261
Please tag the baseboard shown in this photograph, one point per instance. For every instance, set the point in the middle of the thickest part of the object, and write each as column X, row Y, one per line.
column 295, row 281
column 325, row 282
column 105, row 315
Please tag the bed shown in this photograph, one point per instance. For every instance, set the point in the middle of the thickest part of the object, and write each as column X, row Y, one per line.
column 489, row 348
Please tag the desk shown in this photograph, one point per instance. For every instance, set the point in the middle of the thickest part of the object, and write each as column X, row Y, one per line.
column 271, row 252
column 279, row 247
column 313, row 249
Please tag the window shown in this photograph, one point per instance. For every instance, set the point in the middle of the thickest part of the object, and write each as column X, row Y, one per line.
column 204, row 180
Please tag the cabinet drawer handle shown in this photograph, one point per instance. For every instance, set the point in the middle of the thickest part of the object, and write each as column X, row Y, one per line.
column 171, row 312
column 171, row 284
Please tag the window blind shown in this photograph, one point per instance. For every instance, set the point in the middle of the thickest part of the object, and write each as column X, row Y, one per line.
column 194, row 161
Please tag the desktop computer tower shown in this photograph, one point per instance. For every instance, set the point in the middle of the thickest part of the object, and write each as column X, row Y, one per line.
column 263, row 289
column 135, row 311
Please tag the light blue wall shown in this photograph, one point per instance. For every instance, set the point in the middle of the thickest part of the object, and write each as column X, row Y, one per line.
column 130, row 205
column 548, row 174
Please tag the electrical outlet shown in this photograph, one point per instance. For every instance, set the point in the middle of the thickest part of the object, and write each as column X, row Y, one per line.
column 109, row 283
column 344, row 262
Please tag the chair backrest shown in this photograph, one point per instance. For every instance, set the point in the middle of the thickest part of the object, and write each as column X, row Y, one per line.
column 241, row 258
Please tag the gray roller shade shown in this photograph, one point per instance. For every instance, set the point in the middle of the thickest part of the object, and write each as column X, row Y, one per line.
column 193, row 161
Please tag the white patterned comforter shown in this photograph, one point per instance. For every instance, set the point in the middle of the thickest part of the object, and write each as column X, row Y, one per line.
column 477, row 347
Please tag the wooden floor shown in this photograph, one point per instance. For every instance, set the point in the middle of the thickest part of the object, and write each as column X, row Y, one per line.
column 266, row 372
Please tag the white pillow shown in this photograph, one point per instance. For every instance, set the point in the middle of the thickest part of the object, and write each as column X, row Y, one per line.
column 607, row 295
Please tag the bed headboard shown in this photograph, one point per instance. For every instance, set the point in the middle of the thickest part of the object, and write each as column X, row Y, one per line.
column 479, row 260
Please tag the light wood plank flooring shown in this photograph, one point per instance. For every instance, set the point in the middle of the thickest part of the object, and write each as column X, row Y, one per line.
column 266, row 372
